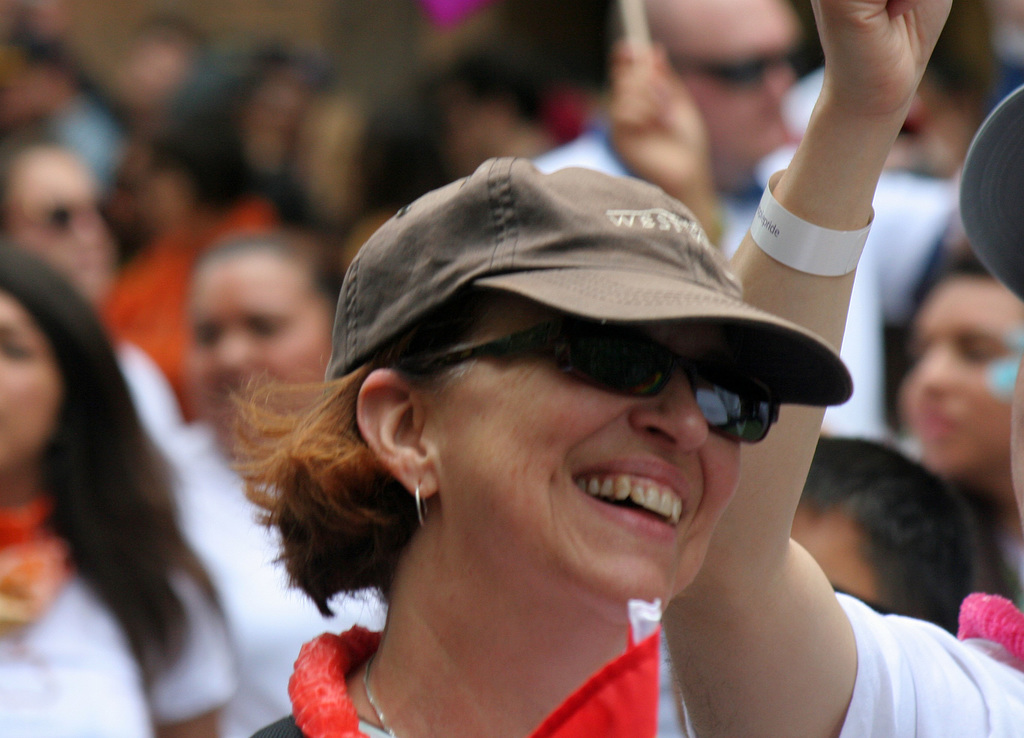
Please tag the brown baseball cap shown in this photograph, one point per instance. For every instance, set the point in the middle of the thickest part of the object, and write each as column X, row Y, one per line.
column 584, row 243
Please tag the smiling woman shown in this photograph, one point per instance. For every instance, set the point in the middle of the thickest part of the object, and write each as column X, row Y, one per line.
column 538, row 390
column 512, row 353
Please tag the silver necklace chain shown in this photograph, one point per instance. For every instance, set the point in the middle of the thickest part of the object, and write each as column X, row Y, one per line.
column 373, row 703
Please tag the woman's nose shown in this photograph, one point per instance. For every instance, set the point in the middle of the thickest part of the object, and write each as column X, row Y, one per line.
column 934, row 369
column 233, row 352
column 672, row 415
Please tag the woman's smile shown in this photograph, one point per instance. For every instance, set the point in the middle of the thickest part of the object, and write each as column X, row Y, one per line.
column 636, row 492
column 645, row 484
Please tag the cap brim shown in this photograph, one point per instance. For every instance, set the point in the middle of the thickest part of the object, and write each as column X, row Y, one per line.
column 798, row 366
column 992, row 192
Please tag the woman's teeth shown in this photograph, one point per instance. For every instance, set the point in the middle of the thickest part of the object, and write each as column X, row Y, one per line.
column 646, row 494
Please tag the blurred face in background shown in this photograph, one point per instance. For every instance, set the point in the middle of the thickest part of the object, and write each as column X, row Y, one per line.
column 256, row 316
column 154, row 70
column 51, row 208
column 733, row 56
column 965, row 344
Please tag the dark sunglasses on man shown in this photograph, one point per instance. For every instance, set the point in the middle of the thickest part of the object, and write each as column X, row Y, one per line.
column 742, row 73
column 60, row 216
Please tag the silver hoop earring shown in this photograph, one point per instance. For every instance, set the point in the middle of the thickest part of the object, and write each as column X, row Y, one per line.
column 421, row 506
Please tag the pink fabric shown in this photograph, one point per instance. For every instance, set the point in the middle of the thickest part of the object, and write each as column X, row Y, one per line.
column 994, row 618
column 450, row 12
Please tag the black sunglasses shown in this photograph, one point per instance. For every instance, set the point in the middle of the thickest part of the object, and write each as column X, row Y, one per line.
column 59, row 216
column 746, row 73
column 629, row 363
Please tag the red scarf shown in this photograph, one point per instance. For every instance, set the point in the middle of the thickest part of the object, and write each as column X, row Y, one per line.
column 619, row 700
column 33, row 564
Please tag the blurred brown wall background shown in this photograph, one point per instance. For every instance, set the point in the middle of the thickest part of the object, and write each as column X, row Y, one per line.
column 377, row 44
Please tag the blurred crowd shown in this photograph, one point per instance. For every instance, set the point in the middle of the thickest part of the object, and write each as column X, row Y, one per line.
column 202, row 207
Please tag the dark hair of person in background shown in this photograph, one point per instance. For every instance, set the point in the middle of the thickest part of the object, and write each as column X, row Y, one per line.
column 207, row 148
column 917, row 532
column 960, row 261
column 112, row 494
column 492, row 72
column 272, row 99
column 401, row 157
column 26, row 49
column 505, row 98
column 398, row 160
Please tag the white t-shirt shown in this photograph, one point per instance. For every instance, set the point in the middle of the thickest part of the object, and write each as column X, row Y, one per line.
column 151, row 393
column 268, row 620
column 916, row 680
column 72, row 673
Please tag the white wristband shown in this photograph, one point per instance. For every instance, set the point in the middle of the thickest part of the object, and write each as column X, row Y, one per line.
column 804, row 246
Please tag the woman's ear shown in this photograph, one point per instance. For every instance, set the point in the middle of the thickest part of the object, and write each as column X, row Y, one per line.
column 390, row 413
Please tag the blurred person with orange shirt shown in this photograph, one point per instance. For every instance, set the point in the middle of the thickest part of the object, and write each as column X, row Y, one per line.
column 196, row 191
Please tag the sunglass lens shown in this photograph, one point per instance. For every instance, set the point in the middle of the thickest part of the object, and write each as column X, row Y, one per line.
column 624, row 365
column 751, row 72
column 745, row 74
column 59, row 217
column 638, row 366
column 728, row 413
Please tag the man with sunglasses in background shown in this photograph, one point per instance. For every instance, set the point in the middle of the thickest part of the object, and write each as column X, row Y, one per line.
column 736, row 59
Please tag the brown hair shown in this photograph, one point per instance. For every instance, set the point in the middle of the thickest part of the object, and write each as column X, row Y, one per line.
column 343, row 519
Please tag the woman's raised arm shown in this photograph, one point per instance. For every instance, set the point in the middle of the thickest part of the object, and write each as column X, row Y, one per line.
column 759, row 644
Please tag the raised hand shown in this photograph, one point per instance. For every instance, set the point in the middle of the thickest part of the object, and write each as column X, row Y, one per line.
column 658, row 131
column 747, row 637
column 876, row 51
